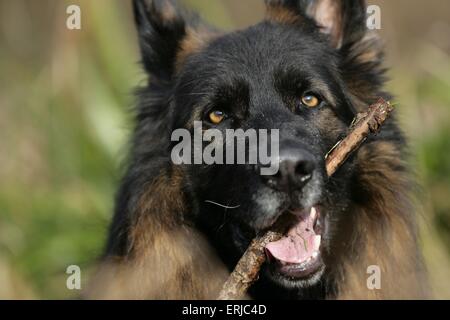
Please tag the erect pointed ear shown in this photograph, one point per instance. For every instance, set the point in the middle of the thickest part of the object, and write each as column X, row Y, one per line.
column 343, row 20
column 165, row 35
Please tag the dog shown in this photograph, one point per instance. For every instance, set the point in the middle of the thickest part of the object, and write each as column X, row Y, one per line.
column 306, row 70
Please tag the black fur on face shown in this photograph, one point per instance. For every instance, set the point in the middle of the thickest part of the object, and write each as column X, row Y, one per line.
column 257, row 78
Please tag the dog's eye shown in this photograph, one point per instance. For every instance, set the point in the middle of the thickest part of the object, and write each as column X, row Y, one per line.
column 310, row 100
column 216, row 116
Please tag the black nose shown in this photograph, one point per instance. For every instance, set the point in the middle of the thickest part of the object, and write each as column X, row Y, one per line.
column 296, row 168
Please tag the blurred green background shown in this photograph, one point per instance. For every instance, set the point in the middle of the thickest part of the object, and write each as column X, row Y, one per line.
column 64, row 123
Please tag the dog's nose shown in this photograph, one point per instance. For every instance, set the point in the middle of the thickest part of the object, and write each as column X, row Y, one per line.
column 296, row 168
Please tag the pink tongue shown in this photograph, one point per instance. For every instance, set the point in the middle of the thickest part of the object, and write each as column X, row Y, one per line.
column 300, row 243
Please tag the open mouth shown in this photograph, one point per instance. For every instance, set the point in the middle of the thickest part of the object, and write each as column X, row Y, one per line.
column 297, row 255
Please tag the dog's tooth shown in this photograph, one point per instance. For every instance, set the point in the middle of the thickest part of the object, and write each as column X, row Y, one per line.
column 315, row 254
column 313, row 213
column 317, row 240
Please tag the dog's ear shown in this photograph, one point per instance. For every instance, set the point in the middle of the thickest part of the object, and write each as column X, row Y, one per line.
column 163, row 28
column 343, row 20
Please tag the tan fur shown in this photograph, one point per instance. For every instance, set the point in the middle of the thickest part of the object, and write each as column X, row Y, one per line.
column 366, row 52
column 390, row 245
column 281, row 14
column 167, row 258
column 368, row 49
column 193, row 42
column 177, row 265
column 168, row 12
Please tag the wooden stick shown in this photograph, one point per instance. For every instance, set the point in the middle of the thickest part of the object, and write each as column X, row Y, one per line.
column 364, row 124
column 247, row 270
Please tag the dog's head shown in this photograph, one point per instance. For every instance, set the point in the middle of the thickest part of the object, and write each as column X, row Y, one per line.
column 305, row 71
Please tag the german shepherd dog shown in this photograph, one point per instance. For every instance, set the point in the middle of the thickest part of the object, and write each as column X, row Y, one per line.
column 307, row 69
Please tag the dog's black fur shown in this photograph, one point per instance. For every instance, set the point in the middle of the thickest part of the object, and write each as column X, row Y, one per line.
column 257, row 77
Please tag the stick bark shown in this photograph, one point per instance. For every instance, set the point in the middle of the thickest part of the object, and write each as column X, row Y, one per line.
column 247, row 270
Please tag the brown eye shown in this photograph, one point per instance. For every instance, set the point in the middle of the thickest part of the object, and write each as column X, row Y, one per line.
column 310, row 100
column 216, row 116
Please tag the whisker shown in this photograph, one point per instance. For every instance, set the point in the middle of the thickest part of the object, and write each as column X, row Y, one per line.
column 222, row 205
